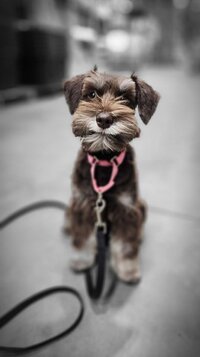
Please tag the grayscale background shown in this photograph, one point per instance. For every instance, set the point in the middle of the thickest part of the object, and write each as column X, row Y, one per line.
column 43, row 42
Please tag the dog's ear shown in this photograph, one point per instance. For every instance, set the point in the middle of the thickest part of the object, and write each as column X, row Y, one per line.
column 73, row 91
column 147, row 99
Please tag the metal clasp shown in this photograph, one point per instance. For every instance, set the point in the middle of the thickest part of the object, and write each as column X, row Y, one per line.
column 99, row 208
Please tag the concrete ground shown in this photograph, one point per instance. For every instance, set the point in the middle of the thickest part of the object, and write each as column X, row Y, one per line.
column 161, row 316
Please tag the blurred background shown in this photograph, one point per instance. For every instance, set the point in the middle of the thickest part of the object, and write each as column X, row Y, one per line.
column 53, row 37
column 43, row 42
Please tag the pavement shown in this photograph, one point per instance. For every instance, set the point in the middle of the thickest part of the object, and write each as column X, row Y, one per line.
column 160, row 317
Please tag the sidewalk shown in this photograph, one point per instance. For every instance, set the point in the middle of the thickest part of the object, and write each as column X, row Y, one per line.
column 158, row 318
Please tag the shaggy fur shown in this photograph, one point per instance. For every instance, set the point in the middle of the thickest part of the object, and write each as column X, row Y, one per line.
column 103, row 108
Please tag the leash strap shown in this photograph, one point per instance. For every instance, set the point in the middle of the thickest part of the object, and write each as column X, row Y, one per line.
column 95, row 289
column 10, row 315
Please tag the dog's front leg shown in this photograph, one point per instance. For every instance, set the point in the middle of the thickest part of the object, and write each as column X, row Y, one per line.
column 80, row 217
column 126, row 222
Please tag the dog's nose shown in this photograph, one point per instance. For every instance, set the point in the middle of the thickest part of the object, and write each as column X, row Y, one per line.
column 104, row 120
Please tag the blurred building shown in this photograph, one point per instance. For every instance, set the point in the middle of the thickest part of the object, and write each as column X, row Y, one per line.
column 130, row 32
column 33, row 40
column 125, row 33
column 40, row 39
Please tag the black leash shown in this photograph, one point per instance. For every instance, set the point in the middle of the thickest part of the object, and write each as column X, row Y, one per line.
column 94, row 290
column 30, row 208
column 10, row 315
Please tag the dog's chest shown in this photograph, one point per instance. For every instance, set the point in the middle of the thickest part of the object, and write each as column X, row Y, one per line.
column 125, row 181
column 102, row 175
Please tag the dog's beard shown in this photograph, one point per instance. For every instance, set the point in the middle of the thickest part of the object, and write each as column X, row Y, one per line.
column 99, row 142
column 114, row 138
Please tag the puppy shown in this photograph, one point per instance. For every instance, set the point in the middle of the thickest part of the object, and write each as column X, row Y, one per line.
column 103, row 110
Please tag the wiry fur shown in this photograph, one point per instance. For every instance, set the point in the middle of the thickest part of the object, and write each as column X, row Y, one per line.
column 95, row 139
column 88, row 96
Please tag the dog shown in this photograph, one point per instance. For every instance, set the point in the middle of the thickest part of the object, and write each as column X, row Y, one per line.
column 103, row 108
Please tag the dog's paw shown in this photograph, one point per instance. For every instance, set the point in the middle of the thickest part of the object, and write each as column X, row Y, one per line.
column 82, row 260
column 83, row 253
column 125, row 262
column 127, row 270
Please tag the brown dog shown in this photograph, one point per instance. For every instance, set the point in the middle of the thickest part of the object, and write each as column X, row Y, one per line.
column 103, row 108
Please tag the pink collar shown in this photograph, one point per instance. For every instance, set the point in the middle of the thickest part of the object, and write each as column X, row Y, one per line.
column 114, row 162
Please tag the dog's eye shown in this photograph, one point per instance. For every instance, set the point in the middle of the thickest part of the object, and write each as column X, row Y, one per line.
column 121, row 95
column 124, row 97
column 92, row 94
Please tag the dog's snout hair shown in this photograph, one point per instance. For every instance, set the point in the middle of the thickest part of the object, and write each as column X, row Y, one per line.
column 103, row 108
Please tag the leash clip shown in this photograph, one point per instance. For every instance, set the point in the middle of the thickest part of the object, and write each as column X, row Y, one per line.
column 99, row 208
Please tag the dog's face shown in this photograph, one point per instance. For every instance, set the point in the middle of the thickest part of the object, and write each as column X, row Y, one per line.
column 103, row 108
